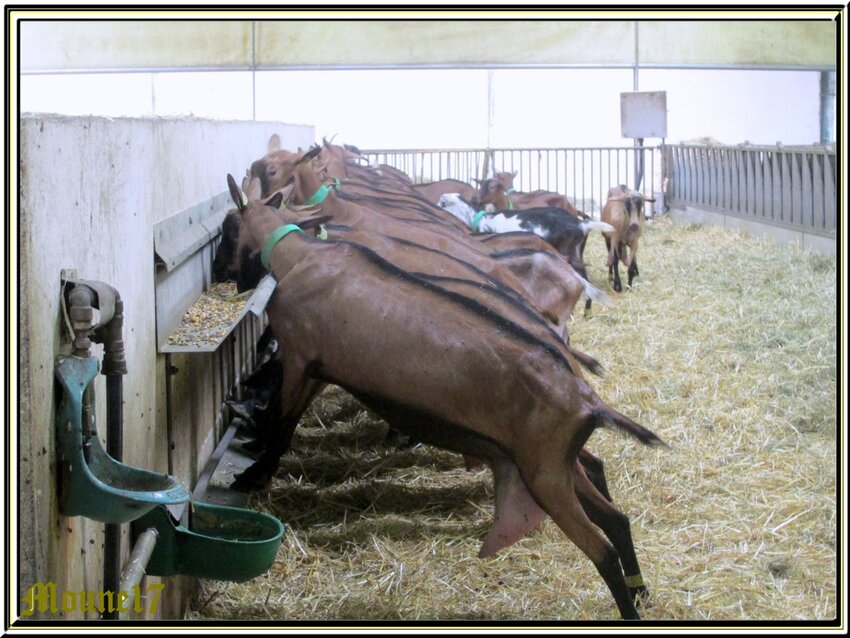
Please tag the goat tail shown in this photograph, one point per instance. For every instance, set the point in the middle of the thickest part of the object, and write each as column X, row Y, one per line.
column 587, row 361
column 608, row 416
column 593, row 293
column 593, row 224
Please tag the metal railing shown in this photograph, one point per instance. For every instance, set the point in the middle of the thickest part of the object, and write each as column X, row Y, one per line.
column 792, row 187
column 584, row 175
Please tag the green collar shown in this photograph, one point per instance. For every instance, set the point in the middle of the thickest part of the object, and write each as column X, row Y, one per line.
column 508, row 192
column 272, row 240
column 477, row 220
column 322, row 193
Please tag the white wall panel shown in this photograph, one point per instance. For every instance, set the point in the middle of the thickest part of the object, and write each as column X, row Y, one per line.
column 287, row 43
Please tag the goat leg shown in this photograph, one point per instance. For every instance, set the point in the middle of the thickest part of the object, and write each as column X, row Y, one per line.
column 617, row 528
column 297, row 393
column 633, row 269
column 615, row 266
column 595, row 471
column 257, row 475
column 559, row 499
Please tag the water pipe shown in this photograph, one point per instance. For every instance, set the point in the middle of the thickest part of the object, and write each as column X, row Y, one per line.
column 97, row 315
column 135, row 567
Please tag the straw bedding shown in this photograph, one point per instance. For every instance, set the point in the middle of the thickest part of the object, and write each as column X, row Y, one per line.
column 725, row 347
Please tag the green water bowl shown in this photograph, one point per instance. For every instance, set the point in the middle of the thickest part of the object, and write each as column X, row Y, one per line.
column 218, row 543
column 100, row 488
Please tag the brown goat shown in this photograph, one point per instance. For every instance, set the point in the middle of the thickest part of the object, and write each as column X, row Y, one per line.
column 451, row 273
column 453, row 373
column 624, row 211
column 551, row 284
column 500, row 193
column 432, row 190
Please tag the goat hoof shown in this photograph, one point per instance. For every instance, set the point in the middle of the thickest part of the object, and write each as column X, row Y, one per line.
column 244, row 409
column 618, row 287
column 254, row 478
column 640, row 596
column 254, row 446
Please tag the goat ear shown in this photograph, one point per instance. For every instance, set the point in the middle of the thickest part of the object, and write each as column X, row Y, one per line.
column 313, row 152
column 275, row 200
column 235, row 193
column 514, row 174
column 312, row 222
column 254, row 190
column 274, row 143
column 284, row 193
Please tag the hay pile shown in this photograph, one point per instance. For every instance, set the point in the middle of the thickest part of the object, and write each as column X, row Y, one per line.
column 725, row 348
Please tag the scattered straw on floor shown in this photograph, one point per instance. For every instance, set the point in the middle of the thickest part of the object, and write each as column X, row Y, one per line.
column 725, row 348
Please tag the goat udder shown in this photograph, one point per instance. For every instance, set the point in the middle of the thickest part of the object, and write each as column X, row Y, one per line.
column 517, row 513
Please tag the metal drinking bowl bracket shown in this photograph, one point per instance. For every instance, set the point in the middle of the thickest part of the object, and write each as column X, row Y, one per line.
column 218, row 542
column 92, row 483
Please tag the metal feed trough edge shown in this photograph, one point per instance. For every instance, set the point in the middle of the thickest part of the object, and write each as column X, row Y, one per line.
column 255, row 304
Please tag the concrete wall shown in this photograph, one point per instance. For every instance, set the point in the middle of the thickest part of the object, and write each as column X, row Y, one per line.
column 782, row 235
column 91, row 190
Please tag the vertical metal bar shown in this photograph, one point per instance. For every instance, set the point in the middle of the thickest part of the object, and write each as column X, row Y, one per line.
column 700, row 164
column 729, row 157
column 751, row 182
column 829, row 192
column 796, row 190
column 136, row 563
column 757, row 184
column 776, row 185
column 787, row 203
column 114, row 447
column 169, row 411
column 575, row 175
column 817, row 191
column 806, row 211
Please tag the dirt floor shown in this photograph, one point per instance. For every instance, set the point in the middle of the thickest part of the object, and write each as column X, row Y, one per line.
column 725, row 347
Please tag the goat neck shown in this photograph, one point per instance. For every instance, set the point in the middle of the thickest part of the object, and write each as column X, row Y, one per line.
column 263, row 221
column 307, row 185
